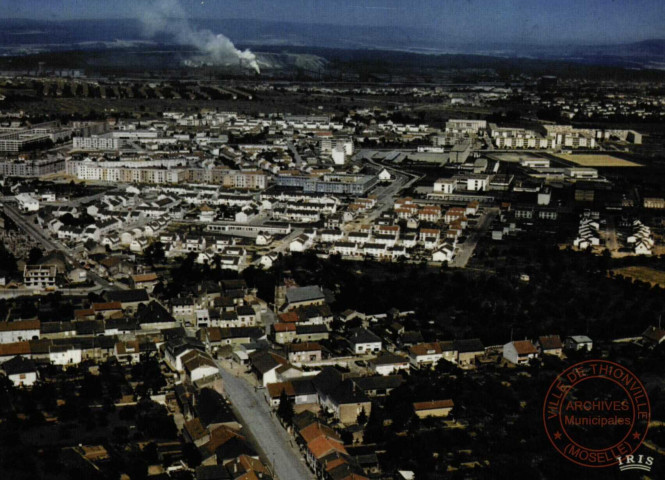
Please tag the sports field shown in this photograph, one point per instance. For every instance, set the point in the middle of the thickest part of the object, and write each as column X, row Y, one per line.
column 600, row 160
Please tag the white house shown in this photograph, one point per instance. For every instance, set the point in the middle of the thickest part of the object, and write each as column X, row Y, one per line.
column 345, row 248
column 267, row 261
column 445, row 185
column 389, row 364
column 578, row 342
column 520, row 352
column 206, row 214
column 138, row 245
column 363, row 341
column 27, row 203
column 263, row 239
column 445, row 253
column 21, row 371
column 384, row 175
column 198, row 365
column 19, row 331
column 65, row 355
column 300, row 244
column 429, row 354
column 475, row 183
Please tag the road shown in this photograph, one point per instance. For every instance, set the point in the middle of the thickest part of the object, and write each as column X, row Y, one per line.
column 271, row 438
column 282, row 245
column 23, row 292
column 296, row 155
column 466, row 249
column 268, row 318
column 611, row 242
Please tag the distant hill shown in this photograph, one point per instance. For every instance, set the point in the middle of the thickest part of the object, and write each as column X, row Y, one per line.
column 29, row 36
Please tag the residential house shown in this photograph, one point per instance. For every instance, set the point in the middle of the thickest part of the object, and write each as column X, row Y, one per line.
column 19, row 330
column 429, row 354
column 198, row 365
column 467, row 351
column 340, row 396
column 378, row 385
column 434, row 408
column 300, row 391
column 578, row 342
column 65, row 355
column 22, row 372
column 520, row 352
column 176, row 348
column 550, row 345
column 304, row 352
column 265, row 365
column 148, row 281
column 389, row 363
column 362, row 341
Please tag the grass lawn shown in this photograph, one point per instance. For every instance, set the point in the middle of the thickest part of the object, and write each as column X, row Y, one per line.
column 644, row 274
column 600, row 160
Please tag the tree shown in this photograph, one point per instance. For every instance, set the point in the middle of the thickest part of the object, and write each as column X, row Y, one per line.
column 362, row 417
column 375, row 430
column 155, row 253
column 285, row 409
column 7, row 261
column 34, row 255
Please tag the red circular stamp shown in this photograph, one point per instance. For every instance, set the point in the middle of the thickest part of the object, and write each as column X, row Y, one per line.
column 596, row 412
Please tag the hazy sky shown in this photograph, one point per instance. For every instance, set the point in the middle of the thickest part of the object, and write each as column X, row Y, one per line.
column 542, row 21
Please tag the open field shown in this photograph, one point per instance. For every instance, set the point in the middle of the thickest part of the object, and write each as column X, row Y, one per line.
column 643, row 274
column 511, row 157
column 596, row 160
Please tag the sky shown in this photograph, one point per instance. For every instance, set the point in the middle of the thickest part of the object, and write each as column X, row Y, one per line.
column 521, row 21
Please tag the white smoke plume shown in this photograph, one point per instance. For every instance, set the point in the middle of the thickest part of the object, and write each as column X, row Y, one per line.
column 168, row 16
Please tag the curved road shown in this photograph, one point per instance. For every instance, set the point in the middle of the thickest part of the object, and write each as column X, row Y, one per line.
column 255, row 414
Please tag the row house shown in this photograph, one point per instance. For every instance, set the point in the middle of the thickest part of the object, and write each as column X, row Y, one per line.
column 460, row 352
column 330, row 236
column 454, row 213
column 430, row 213
column 430, row 237
column 359, row 237
column 348, row 249
column 302, row 243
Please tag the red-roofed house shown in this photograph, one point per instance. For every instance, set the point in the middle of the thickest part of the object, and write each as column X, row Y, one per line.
column 520, row 352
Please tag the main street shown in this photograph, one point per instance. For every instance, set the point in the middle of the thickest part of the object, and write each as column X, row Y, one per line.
column 271, row 438
column 466, row 249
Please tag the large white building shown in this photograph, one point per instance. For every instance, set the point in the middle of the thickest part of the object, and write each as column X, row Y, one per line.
column 39, row 276
column 465, row 126
column 27, row 203
column 97, row 142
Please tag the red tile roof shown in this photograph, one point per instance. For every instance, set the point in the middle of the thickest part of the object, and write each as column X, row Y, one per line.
column 17, row 348
column 322, row 446
column 433, row 405
column 284, row 327
column 19, row 325
column 316, row 430
column 289, row 317
column 524, row 347
column 550, row 342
